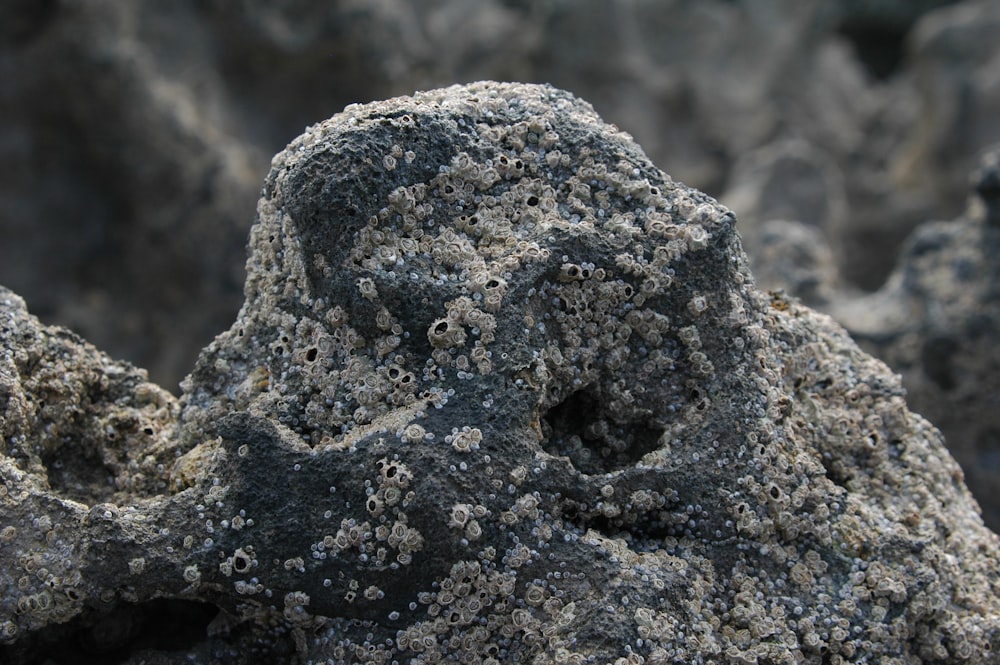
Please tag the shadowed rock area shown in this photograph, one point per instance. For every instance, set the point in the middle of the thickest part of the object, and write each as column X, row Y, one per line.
column 500, row 391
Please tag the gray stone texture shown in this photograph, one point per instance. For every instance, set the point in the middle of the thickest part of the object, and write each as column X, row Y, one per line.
column 500, row 391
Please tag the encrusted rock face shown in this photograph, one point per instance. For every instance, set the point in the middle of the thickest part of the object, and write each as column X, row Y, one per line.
column 501, row 391
column 81, row 435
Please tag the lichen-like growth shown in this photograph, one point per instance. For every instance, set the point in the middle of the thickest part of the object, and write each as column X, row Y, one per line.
column 501, row 391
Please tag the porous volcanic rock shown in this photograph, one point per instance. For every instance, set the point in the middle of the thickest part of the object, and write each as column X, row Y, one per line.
column 502, row 391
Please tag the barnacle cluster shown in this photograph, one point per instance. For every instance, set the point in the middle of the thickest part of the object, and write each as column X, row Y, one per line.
column 502, row 391
column 401, row 303
column 629, row 420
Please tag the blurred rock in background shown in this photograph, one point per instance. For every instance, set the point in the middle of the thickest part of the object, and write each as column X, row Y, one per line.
column 935, row 321
column 134, row 138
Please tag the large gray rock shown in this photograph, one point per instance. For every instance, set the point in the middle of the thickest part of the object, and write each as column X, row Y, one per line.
column 501, row 391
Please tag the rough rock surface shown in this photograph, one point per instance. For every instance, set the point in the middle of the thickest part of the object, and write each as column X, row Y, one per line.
column 92, row 429
column 501, row 391
column 794, row 257
column 955, row 72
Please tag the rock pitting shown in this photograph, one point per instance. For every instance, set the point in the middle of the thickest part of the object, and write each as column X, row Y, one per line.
column 502, row 391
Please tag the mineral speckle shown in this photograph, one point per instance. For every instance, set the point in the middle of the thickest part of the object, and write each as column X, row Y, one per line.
column 502, row 391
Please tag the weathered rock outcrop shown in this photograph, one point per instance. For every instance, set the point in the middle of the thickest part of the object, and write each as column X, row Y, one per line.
column 502, row 391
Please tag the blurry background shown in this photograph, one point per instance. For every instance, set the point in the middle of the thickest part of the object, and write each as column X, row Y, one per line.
column 134, row 138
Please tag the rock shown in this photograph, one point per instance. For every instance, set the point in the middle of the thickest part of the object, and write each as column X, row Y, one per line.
column 986, row 185
column 934, row 322
column 788, row 180
column 90, row 429
column 954, row 58
column 502, row 391
column 129, row 155
column 791, row 200
column 86, row 440
column 796, row 257
column 878, row 31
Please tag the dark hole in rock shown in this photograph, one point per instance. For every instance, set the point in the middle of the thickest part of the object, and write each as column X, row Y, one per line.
column 879, row 46
column 24, row 20
column 937, row 354
column 836, row 471
column 78, row 473
column 643, row 528
column 594, row 440
column 114, row 636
